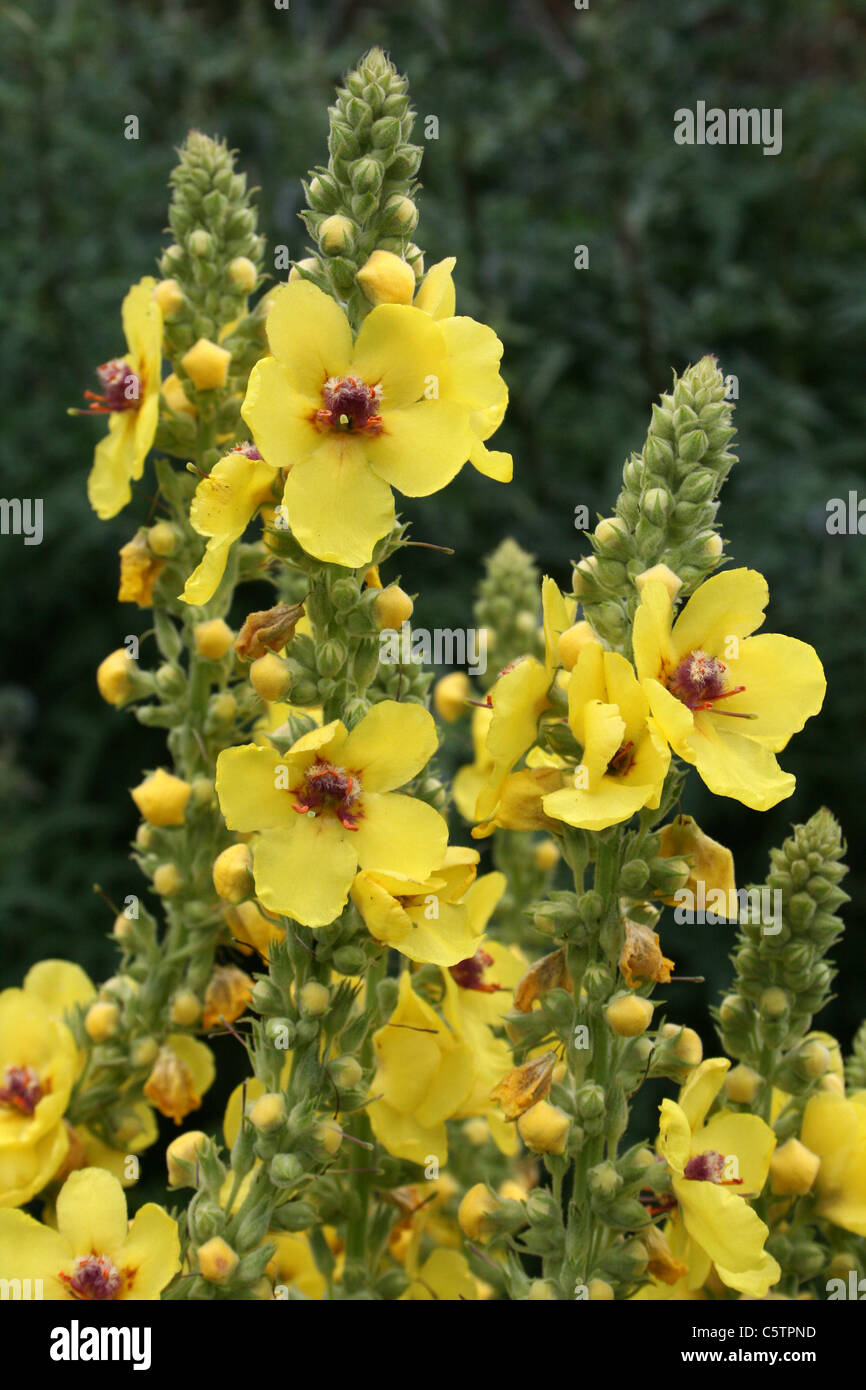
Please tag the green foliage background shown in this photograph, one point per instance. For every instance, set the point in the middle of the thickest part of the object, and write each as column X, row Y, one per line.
column 555, row 130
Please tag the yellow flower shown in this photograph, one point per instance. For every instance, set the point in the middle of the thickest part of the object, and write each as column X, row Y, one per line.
column 518, row 699
column 139, row 571
column 328, row 807
column 132, row 386
column 521, row 798
column 624, row 760
column 351, row 419
column 446, row 1275
column 38, row 1065
column 182, row 1072
column 725, row 701
column 710, row 863
column 430, row 921
column 834, row 1128
column 474, row 353
column 425, row 1073
column 95, row 1253
column 227, row 994
column 224, row 504
column 709, row 1160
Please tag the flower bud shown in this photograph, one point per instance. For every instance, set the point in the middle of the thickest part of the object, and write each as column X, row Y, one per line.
column 167, row 880
column 207, row 365
column 162, row 798
column 541, row 1291
column 102, row 1021
column 474, row 1211
column 336, row 234
column 314, row 998
column 629, row 1015
column 572, row 642
column 392, row 608
column 185, row 1008
column 793, row 1169
column 659, row 574
column 546, row 856
column 162, row 538
column 544, row 1128
column 170, row 298
column 213, row 638
column 217, row 1261
column 232, row 873
column 329, row 1134
column 243, row 273
column 270, row 677
column 450, row 695
column 688, row 1047
column 114, row 677
column 268, row 1112
column 200, row 243
column 387, row 279
column 183, row 1151
column 742, row 1084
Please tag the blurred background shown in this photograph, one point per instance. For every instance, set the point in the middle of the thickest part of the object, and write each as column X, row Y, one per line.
column 555, row 129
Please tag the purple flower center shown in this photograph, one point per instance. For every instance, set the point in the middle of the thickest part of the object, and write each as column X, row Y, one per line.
column 95, row 1278
column 21, row 1089
column 350, row 405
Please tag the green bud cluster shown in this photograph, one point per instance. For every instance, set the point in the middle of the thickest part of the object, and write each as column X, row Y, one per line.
column 782, row 974
column 507, row 607
column 215, row 263
column 665, row 513
column 363, row 200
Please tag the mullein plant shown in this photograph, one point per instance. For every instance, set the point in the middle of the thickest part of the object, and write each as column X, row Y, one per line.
column 441, row 1053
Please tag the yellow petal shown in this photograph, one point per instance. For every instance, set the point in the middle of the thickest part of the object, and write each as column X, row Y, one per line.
column 309, row 335
column 280, row 417
column 701, row 1089
column 784, row 686
column 624, row 691
column 60, row 984
column 29, row 1250
column 246, row 786
column 151, row 1253
column 91, row 1212
column 26, row 1168
column 390, row 745
column 730, row 604
column 399, row 833
column 734, row 765
column 400, row 348
column 422, row 447
column 305, row 869
column 337, row 507
column 557, row 614
column 436, row 295
column 675, row 1136
column 651, row 635
column 730, row 1232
